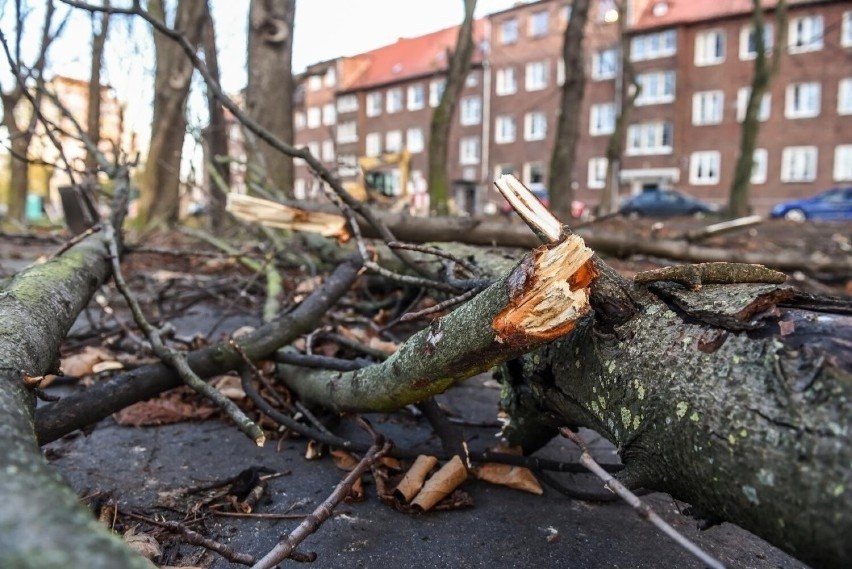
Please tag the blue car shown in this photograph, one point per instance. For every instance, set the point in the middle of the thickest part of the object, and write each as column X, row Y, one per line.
column 835, row 204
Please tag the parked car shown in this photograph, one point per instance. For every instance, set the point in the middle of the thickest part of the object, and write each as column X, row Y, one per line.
column 578, row 208
column 665, row 203
column 835, row 203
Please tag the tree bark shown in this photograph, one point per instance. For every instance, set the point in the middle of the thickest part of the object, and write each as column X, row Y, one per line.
column 160, row 199
column 269, row 94
column 738, row 199
column 561, row 175
column 442, row 118
column 93, row 115
column 42, row 524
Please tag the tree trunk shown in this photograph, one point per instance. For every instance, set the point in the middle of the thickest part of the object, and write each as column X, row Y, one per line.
column 568, row 129
column 42, row 524
column 216, row 133
column 269, row 94
column 738, row 199
column 93, row 115
column 442, row 118
column 160, row 199
column 18, row 172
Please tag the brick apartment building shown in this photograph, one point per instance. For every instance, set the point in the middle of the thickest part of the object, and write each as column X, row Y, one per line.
column 694, row 61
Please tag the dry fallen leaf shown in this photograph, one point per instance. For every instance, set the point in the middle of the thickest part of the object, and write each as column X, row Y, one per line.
column 509, row 475
column 344, row 460
column 82, row 363
column 313, row 450
column 413, row 480
column 143, row 544
column 230, row 386
column 170, row 407
column 441, row 484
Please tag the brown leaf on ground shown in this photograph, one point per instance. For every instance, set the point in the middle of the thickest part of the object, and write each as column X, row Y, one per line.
column 230, row 386
column 142, row 543
column 368, row 338
column 173, row 406
column 344, row 460
column 313, row 450
column 441, row 484
column 509, row 475
column 413, row 480
column 82, row 363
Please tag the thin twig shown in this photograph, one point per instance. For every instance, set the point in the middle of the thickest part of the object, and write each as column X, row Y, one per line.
column 441, row 306
column 467, row 265
column 643, row 509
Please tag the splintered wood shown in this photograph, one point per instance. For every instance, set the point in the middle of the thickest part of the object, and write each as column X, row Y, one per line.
column 274, row 214
column 548, row 292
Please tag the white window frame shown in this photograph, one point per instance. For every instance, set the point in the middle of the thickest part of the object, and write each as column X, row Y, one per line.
column 505, row 129
column 602, row 67
column 759, row 166
column 596, row 176
column 347, row 104
column 469, row 150
column 705, row 167
column 414, row 140
column 373, row 144
column 747, row 36
column 374, row 104
column 538, row 24
column 314, row 83
column 314, row 115
column 651, row 137
column 536, row 75
column 843, row 163
column 844, row 96
column 805, row 33
column 472, row 79
column 347, row 165
column 602, row 119
column 314, row 149
column 347, row 132
column 528, row 172
column 436, row 90
column 535, row 126
column 299, row 120
column 560, row 71
column 470, row 111
column 300, row 189
column 846, row 29
column 509, row 31
column 393, row 141
column 654, row 45
column 803, row 100
column 327, row 150
column 394, row 101
column 799, row 164
column 708, row 107
column 329, row 114
column 506, row 81
column 655, row 87
column 763, row 111
column 710, row 47
column 330, row 77
column 416, row 98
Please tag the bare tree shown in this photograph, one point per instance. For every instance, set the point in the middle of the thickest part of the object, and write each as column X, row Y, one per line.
column 93, row 113
column 624, row 75
column 439, row 133
column 160, row 200
column 568, row 128
column 764, row 71
column 20, row 135
column 269, row 95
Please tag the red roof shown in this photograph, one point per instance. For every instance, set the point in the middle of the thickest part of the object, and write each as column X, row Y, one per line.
column 688, row 11
column 408, row 57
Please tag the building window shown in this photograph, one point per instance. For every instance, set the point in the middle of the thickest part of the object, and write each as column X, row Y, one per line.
column 602, row 119
column 704, row 168
column 414, row 140
column 374, row 104
column 507, row 81
column 707, row 107
column 710, row 47
column 565, row 15
column 505, row 129
column 329, row 115
column 533, row 173
column 844, row 96
column 535, row 126
column 846, row 29
column 469, row 150
column 649, row 138
column 742, row 102
column 299, row 120
column 502, row 170
column 436, row 91
column 416, row 97
column 748, row 41
column 347, row 104
column 805, row 34
column 657, row 87
column 373, row 144
column 509, row 31
column 536, row 77
column 299, row 190
column 597, row 173
column 347, row 165
column 472, row 79
column 560, row 71
column 538, row 24
column 758, row 166
column 471, row 110
column 843, row 163
column 314, row 149
column 394, row 100
column 330, row 77
column 802, row 100
column 652, row 46
column 347, row 132
column 314, row 83
column 799, row 164
column 328, row 151
column 604, row 64
column 314, row 117
column 393, row 141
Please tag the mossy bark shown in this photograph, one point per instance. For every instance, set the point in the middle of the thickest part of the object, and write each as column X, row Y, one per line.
column 42, row 524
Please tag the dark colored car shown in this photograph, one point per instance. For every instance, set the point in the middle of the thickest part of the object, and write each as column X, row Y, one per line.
column 578, row 208
column 835, row 203
column 663, row 203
